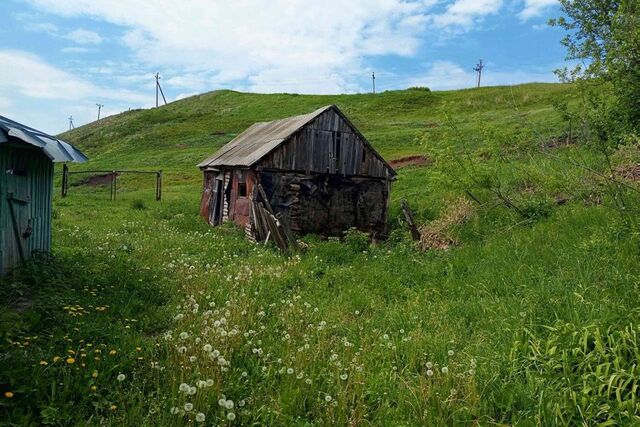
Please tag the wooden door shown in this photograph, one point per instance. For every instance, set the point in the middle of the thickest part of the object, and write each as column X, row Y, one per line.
column 215, row 202
column 17, row 196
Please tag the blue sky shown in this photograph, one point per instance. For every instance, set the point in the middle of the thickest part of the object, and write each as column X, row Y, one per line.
column 60, row 57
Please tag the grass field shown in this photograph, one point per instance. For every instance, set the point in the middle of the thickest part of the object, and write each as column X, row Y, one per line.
column 144, row 315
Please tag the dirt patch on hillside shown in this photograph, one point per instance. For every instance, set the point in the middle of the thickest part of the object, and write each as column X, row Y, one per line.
column 95, row 180
column 410, row 161
column 629, row 172
column 437, row 234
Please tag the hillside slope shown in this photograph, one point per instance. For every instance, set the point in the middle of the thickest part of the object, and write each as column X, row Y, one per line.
column 517, row 307
column 177, row 136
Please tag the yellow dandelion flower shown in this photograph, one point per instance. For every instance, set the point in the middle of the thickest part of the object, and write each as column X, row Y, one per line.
column 113, row 407
column 56, row 358
column 71, row 360
column 8, row 394
column 138, row 349
column 112, row 352
column 93, row 388
column 44, row 362
column 95, row 374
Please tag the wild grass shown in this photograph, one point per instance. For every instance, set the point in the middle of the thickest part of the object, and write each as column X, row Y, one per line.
column 530, row 319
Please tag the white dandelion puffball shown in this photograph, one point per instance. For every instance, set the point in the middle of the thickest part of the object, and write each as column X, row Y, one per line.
column 121, row 377
column 429, row 365
column 308, row 381
column 207, row 348
column 228, row 404
column 327, row 398
column 344, row 377
column 429, row 373
column 231, row 416
column 222, row 401
column 188, row 406
column 182, row 350
column 445, row 370
column 200, row 417
column 209, row 383
column 450, row 352
column 184, row 335
column 290, row 371
column 192, row 390
column 175, row 410
column 241, row 403
column 215, row 354
column 184, row 387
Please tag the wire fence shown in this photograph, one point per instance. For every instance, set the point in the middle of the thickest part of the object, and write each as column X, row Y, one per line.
column 108, row 179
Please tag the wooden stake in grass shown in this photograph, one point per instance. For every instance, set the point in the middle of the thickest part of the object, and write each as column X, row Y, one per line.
column 408, row 217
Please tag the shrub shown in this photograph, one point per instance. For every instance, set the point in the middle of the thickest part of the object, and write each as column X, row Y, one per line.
column 138, row 204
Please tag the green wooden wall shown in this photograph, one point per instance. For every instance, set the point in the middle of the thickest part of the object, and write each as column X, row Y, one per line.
column 26, row 183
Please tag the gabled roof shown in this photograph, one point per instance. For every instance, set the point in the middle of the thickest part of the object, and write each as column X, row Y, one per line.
column 261, row 138
column 55, row 149
column 258, row 140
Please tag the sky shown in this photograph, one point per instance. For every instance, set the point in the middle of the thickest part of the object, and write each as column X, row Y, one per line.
column 59, row 58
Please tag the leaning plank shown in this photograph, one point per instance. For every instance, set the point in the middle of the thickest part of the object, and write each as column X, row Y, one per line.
column 265, row 199
column 287, row 231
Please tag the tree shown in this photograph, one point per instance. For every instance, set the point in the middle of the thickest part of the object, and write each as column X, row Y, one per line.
column 604, row 35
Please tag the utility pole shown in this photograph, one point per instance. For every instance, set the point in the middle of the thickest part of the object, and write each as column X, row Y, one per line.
column 373, row 81
column 99, row 108
column 71, row 126
column 159, row 88
column 478, row 70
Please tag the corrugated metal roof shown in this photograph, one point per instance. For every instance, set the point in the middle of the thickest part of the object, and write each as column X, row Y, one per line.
column 55, row 149
column 258, row 140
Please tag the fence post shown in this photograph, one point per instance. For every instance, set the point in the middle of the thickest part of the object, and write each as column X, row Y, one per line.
column 160, row 185
column 65, row 179
column 115, row 184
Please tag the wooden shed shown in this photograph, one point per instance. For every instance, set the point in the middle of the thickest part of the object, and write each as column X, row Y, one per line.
column 318, row 172
column 26, row 189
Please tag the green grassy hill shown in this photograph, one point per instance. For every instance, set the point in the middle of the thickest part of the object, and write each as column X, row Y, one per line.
column 517, row 307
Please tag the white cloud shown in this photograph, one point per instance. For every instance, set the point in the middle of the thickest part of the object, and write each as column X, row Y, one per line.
column 465, row 13
column 75, row 49
column 256, row 39
column 445, row 75
column 31, row 83
column 534, row 8
column 82, row 36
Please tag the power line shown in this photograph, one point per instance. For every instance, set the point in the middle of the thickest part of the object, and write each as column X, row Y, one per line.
column 478, row 69
column 159, row 88
column 99, row 109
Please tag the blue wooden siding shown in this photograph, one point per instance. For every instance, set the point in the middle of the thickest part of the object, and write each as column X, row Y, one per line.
column 26, row 176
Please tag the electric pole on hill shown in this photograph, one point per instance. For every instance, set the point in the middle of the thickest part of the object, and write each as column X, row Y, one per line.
column 159, row 88
column 99, row 108
column 478, row 70
column 373, row 81
column 71, row 126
